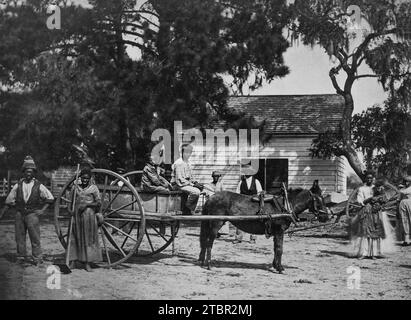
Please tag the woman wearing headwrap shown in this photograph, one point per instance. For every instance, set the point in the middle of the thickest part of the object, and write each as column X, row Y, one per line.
column 367, row 226
column 85, row 246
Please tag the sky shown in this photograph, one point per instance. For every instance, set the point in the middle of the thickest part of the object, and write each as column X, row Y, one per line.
column 309, row 69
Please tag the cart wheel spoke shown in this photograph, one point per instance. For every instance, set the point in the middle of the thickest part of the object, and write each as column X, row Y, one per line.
column 112, row 241
column 121, row 231
column 125, row 239
column 120, row 208
column 149, row 241
column 112, row 199
column 158, row 232
column 103, row 194
column 157, row 240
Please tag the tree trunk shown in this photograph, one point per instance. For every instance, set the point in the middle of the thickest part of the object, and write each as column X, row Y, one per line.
column 348, row 150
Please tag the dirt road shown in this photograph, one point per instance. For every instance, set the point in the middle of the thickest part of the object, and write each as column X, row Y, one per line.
column 315, row 268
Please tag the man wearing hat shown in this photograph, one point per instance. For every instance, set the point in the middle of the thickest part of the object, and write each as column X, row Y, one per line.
column 404, row 210
column 216, row 186
column 31, row 199
column 248, row 185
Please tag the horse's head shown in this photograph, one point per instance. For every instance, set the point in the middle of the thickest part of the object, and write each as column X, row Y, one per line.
column 302, row 200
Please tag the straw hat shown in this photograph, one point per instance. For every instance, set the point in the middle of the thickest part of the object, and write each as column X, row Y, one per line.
column 28, row 164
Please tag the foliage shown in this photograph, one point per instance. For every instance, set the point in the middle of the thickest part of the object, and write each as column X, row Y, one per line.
column 78, row 85
column 383, row 134
column 383, row 44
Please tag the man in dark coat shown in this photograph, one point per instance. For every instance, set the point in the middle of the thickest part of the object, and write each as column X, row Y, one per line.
column 151, row 180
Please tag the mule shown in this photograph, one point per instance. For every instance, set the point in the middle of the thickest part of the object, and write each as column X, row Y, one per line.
column 234, row 204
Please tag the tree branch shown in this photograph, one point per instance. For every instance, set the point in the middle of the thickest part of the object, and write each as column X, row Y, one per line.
column 366, row 76
column 366, row 42
column 332, row 74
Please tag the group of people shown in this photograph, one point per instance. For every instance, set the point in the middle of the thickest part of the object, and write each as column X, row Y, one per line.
column 183, row 180
column 368, row 227
column 31, row 198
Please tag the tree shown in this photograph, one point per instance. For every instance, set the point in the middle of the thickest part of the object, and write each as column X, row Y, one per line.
column 84, row 75
column 383, row 134
column 384, row 46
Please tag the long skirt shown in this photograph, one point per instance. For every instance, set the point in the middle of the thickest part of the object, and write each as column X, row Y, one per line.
column 405, row 219
column 367, row 231
column 85, row 245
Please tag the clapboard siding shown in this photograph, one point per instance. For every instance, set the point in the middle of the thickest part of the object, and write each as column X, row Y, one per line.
column 302, row 168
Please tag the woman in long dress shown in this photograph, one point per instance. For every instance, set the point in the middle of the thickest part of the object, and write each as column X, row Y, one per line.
column 367, row 226
column 85, row 247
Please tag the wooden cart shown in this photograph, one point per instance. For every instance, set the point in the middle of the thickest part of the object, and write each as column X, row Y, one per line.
column 136, row 223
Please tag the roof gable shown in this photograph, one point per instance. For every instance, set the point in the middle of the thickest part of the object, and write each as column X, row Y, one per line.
column 293, row 114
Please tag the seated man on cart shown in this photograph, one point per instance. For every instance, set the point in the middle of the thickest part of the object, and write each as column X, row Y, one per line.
column 151, row 180
column 182, row 179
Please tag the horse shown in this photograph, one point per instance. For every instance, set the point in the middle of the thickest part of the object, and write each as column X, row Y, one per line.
column 234, row 204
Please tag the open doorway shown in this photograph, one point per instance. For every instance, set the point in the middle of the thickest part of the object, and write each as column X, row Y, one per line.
column 271, row 173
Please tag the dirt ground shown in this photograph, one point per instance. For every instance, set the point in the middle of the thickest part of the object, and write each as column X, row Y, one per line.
column 315, row 262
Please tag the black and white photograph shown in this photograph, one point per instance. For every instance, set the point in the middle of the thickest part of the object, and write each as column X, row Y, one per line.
column 214, row 152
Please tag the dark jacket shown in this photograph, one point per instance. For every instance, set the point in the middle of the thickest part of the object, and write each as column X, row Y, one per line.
column 33, row 203
column 244, row 188
column 151, row 181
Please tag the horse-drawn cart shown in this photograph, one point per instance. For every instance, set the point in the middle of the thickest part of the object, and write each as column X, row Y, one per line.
column 136, row 223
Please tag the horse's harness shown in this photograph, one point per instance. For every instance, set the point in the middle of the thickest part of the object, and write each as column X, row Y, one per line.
column 277, row 203
column 287, row 207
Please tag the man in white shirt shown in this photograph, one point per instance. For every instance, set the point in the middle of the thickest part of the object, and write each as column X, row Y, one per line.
column 405, row 212
column 182, row 179
column 31, row 199
column 248, row 185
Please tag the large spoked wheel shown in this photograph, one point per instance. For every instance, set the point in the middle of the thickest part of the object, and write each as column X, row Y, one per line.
column 158, row 235
column 122, row 230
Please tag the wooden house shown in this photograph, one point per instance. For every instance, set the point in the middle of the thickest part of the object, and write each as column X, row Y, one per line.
column 292, row 121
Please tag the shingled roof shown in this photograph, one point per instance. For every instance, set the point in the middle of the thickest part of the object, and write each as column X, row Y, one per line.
column 293, row 114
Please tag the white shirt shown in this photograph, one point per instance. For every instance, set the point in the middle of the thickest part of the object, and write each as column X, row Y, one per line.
column 27, row 187
column 365, row 192
column 249, row 180
column 181, row 173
